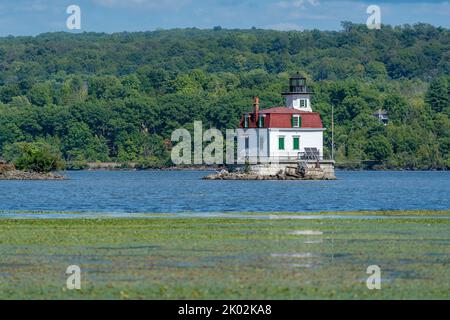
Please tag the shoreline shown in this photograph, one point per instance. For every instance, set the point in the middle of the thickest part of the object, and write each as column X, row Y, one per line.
column 17, row 175
column 6, row 215
column 116, row 166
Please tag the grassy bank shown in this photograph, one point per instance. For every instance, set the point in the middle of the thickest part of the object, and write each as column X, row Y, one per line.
column 229, row 258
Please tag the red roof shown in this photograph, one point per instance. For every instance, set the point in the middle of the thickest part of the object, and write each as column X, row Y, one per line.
column 281, row 117
column 280, row 110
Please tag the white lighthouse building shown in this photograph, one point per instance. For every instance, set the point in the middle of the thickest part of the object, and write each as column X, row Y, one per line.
column 279, row 138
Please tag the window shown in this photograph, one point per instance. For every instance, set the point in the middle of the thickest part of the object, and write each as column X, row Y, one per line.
column 281, row 143
column 296, row 143
column 303, row 103
column 247, row 143
column 246, row 121
column 297, row 82
column 296, row 121
column 261, row 143
column 261, row 122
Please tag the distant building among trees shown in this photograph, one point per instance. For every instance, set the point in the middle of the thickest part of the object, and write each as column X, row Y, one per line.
column 382, row 116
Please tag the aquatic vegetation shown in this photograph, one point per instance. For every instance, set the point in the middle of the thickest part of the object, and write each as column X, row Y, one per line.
column 227, row 258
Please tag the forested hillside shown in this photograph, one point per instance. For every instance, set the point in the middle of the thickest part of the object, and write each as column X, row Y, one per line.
column 99, row 97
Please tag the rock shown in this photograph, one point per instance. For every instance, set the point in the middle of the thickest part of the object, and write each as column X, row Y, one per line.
column 310, row 174
column 4, row 167
column 23, row 175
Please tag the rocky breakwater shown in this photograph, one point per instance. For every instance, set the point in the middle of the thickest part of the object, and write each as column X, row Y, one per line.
column 309, row 174
column 9, row 172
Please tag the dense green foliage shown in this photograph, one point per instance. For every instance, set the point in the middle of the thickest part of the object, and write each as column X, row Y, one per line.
column 98, row 97
column 33, row 156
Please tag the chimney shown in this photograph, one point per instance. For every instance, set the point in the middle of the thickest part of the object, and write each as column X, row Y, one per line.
column 256, row 109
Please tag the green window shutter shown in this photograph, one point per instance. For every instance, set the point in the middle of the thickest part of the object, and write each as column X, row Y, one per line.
column 281, row 143
column 296, row 143
column 300, row 122
column 292, row 121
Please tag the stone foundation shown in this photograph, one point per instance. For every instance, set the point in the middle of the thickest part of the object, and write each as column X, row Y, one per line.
column 312, row 170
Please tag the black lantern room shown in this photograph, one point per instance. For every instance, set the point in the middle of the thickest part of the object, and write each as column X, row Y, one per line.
column 297, row 85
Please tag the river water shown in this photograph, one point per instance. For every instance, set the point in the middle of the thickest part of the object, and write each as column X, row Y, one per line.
column 184, row 192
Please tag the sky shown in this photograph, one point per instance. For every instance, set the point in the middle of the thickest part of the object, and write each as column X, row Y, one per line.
column 32, row 17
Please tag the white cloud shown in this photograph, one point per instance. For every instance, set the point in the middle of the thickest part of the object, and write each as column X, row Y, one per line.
column 285, row 27
column 297, row 3
column 302, row 4
column 147, row 4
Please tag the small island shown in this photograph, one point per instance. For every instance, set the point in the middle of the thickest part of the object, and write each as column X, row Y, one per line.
column 31, row 161
column 9, row 172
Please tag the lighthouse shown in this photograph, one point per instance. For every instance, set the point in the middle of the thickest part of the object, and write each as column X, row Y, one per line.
column 286, row 138
column 298, row 97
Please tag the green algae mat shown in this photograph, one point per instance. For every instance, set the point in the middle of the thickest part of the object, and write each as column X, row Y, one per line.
column 278, row 257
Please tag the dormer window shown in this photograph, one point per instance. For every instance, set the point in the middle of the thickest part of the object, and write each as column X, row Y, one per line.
column 246, row 120
column 303, row 103
column 261, row 121
column 296, row 121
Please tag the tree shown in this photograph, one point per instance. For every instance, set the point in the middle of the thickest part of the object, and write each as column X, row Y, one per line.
column 41, row 94
column 355, row 106
column 437, row 95
column 376, row 70
column 396, row 106
column 33, row 156
column 379, row 148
